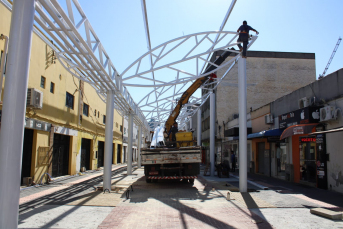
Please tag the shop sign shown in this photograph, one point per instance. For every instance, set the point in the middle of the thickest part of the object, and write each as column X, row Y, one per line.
column 308, row 139
column 65, row 131
column 36, row 124
column 302, row 116
column 298, row 130
column 319, row 138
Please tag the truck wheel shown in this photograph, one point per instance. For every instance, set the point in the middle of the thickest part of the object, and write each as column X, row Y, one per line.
column 148, row 180
column 191, row 181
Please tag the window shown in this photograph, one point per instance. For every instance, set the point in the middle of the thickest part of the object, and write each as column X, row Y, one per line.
column 104, row 119
column 42, row 82
column 121, row 128
column 95, row 112
column 98, row 114
column 124, row 130
column 85, row 109
column 52, row 87
column 70, row 100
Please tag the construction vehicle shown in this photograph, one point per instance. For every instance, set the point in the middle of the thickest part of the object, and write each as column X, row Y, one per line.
column 183, row 161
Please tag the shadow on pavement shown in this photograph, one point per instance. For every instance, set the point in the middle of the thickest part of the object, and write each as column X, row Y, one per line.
column 144, row 191
column 62, row 197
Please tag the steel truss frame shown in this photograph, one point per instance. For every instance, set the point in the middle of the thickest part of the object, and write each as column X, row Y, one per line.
column 83, row 57
column 161, row 112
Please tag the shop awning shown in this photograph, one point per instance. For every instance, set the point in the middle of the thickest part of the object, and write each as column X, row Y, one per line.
column 298, row 129
column 329, row 131
column 266, row 133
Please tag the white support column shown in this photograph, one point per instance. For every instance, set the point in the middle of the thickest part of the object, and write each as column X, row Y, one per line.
column 199, row 127
column 139, row 144
column 212, row 130
column 129, row 147
column 13, row 110
column 190, row 123
column 242, row 107
column 108, row 140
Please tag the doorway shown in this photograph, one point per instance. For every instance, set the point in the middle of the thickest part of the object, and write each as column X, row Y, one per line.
column 85, row 153
column 124, row 154
column 260, row 147
column 60, row 155
column 118, row 153
column 101, row 150
column 308, row 161
column 27, row 154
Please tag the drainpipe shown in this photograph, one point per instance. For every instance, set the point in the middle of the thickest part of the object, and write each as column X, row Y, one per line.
column 2, row 65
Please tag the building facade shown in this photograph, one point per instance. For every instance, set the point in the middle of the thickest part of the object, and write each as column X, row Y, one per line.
column 270, row 75
column 65, row 118
column 297, row 136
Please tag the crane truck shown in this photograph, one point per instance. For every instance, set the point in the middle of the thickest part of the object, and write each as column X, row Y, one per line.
column 181, row 162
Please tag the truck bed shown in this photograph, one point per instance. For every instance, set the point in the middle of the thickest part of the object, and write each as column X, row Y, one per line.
column 190, row 154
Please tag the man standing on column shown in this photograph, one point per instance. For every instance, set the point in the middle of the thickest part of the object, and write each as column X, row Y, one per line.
column 243, row 31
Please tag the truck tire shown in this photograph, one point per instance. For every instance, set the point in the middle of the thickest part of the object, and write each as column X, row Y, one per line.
column 148, row 180
column 191, row 181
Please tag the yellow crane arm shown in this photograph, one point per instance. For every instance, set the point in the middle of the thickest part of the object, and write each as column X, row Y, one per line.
column 187, row 94
column 183, row 100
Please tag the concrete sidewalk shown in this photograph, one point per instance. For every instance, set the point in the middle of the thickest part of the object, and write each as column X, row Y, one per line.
column 175, row 204
column 284, row 204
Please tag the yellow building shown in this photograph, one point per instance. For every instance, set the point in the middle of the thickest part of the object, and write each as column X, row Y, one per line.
column 67, row 134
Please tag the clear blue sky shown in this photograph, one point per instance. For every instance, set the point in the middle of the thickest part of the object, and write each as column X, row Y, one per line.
column 311, row 26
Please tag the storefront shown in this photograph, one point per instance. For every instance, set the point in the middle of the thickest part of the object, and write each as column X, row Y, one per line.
column 268, row 156
column 101, row 153
column 86, row 153
column 35, row 155
column 308, row 155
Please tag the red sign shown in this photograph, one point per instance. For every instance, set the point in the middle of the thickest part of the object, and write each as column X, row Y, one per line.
column 308, row 139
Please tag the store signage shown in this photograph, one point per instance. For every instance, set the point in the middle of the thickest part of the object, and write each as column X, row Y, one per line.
column 308, row 139
column 319, row 138
column 302, row 116
column 37, row 125
column 235, row 132
column 298, row 130
column 65, row 131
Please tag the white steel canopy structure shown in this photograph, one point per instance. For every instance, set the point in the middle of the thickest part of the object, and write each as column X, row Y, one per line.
column 162, row 74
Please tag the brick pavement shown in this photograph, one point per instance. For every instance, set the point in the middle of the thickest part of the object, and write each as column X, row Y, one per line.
column 173, row 204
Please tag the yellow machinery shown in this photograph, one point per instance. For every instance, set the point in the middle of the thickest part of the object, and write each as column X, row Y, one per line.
column 189, row 92
column 184, row 139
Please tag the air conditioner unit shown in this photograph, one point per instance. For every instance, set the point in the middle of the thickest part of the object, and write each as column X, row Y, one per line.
column 34, row 98
column 303, row 102
column 269, row 119
column 327, row 113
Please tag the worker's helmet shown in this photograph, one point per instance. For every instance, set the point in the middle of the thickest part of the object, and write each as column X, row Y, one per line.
column 245, row 22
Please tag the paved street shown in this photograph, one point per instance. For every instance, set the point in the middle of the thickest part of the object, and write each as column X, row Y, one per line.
column 75, row 203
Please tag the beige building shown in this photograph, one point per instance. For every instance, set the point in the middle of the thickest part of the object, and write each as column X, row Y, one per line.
column 65, row 127
column 270, row 75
